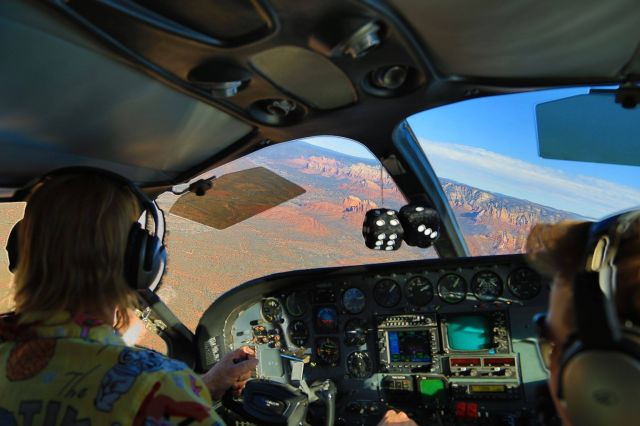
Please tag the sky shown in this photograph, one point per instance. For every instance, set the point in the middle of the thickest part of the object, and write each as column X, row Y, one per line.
column 491, row 144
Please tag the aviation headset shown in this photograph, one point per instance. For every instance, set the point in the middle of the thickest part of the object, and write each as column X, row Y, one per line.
column 145, row 255
column 599, row 377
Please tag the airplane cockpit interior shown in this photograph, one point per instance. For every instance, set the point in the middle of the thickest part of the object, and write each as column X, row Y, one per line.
column 347, row 185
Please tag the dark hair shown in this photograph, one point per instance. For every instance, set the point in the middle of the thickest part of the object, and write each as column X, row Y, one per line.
column 558, row 249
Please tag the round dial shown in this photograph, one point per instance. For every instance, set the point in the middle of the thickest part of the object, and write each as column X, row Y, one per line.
column 326, row 320
column 328, row 350
column 296, row 304
column 419, row 291
column 524, row 283
column 298, row 333
column 452, row 288
column 359, row 365
column 353, row 300
column 271, row 309
column 355, row 331
column 487, row 286
column 387, row 293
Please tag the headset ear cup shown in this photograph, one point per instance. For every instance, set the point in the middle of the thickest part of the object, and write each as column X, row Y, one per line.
column 570, row 349
column 134, row 255
column 13, row 247
column 145, row 259
column 600, row 387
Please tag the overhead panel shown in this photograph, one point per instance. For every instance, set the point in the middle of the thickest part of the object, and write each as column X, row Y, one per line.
column 306, row 75
column 529, row 38
column 225, row 20
column 64, row 104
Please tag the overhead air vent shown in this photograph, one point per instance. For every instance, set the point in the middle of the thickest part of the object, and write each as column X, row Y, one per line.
column 221, row 80
column 340, row 36
column 277, row 112
column 391, row 80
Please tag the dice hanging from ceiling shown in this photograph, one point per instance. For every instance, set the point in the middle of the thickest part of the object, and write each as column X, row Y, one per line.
column 382, row 230
column 421, row 225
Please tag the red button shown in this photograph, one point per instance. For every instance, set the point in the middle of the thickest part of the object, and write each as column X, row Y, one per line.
column 461, row 409
column 472, row 410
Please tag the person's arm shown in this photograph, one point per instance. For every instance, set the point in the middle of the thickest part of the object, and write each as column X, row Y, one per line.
column 231, row 372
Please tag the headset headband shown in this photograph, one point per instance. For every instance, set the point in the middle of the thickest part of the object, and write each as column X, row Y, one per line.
column 597, row 323
column 146, row 203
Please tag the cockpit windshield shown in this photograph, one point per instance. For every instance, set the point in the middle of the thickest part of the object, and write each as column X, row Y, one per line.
column 321, row 227
column 485, row 153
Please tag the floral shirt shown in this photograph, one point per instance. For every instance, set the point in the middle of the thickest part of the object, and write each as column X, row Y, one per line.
column 78, row 371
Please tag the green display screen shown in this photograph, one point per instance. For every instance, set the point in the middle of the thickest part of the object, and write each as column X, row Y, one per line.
column 468, row 333
column 431, row 388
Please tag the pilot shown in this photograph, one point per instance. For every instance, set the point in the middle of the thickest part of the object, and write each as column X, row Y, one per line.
column 590, row 337
column 62, row 359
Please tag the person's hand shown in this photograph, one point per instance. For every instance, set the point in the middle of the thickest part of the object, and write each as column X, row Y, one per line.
column 393, row 417
column 231, row 372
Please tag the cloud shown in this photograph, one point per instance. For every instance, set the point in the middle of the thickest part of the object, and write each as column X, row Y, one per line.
column 585, row 195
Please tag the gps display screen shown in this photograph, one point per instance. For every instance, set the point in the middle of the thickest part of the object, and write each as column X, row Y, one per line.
column 409, row 346
column 468, row 333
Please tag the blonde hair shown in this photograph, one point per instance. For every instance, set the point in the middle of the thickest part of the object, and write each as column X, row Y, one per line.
column 559, row 250
column 71, row 249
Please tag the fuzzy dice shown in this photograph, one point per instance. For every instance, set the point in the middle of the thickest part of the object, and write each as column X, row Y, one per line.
column 421, row 225
column 382, row 230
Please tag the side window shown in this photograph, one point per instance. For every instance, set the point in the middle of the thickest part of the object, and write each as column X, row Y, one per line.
column 10, row 213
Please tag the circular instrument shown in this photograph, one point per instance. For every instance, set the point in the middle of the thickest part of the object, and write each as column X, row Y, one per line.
column 524, row 283
column 271, row 309
column 387, row 293
column 328, row 350
column 355, row 331
column 419, row 291
column 487, row 286
column 353, row 300
column 327, row 320
column 359, row 365
column 298, row 333
column 296, row 304
column 452, row 288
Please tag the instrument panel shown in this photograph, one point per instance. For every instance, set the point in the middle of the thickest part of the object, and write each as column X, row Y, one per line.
column 422, row 336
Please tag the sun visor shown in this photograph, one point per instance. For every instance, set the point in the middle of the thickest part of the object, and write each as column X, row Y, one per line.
column 592, row 128
column 235, row 197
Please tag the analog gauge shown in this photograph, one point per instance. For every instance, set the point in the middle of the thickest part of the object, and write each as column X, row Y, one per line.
column 298, row 333
column 296, row 304
column 487, row 286
column 419, row 291
column 359, row 365
column 452, row 288
column 387, row 293
column 326, row 320
column 328, row 350
column 353, row 300
column 271, row 309
column 355, row 331
column 524, row 283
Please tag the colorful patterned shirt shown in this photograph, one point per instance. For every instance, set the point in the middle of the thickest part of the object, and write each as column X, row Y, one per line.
column 78, row 371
